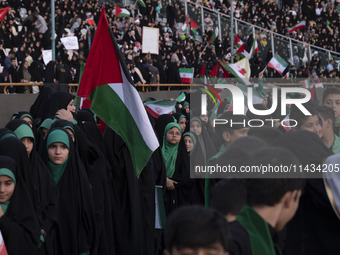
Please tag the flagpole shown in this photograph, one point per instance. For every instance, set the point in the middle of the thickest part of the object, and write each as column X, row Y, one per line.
column 264, row 69
column 204, row 49
column 53, row 28
column 232, row 30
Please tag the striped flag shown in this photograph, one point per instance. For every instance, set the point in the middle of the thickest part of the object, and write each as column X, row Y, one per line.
column 240, row 70
column 300, row 25
column 122, row 12
column 278, row 64
column 214, row 36
column 181, row 97
column 158, row 108
column 286, row 123
column 185, row 26
column 187, row 75
column 193, row 28
column 3, row 250
column 107, row 82
column 3, row 13
column 141, row 3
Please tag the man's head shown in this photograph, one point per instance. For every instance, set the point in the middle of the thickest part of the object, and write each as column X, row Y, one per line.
column 331, row 98
column 236, row 127
column 282, row 193
column 193, row 230
column 309, row 123
column 229, row 196
column 327, row 117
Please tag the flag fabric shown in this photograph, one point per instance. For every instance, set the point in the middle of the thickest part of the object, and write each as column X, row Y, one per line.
column 158, row 108
column 312, row 93
column 186, row 74
column 213, row 36
column 240, row 70
column 181, row 97
column 202, row 71
column 193, row 28
column 254, row 49
column 141, row 3
column 3, row 13
column 300, row 25
column 306, row 84
column 278, row 64
column 107, row 82
column 214, row 71
column 239, row 45
column 185, row 25
column 3, row 250
column 122, row 12
column 160, row 216
column 285, row 123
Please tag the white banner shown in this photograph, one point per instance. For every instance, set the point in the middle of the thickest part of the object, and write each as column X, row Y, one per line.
column 70, row 42
column 150, row 42
column 47, row 56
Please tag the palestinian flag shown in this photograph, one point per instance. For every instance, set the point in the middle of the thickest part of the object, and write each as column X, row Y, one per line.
column 193, row 27
column 278, row 64
column 122, row 12
column 3, row 13
column 141, row 3
column 300, row 25
column 181, row 97
column 89, row 19
column 185, row 26
column 214, row 36
column 254, row 49
column 107, row 82
column 239, row 45
column 158, row 108
column 240, row 70
column 187, row 75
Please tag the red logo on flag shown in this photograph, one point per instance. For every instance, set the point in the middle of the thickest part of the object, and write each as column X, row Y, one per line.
column 158, row 109
column 277, row 66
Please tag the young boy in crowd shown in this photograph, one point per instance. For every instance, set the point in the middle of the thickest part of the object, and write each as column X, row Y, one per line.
column 330, row 139
column 229, row 196
column 195, row 230
column 309, row 123
column 271, row 203
column 331, row 98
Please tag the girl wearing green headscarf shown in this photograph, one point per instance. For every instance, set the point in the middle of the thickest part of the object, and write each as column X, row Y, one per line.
column 177, row 168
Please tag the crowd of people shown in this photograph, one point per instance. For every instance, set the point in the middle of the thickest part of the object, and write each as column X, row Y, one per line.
column 26, row 32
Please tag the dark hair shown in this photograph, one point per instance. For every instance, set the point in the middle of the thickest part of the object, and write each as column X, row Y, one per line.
column 229, row 196
column 195, row 227
column 265, row 133
column 230, row 126
column 329, row 91
column 270, row 191
column 299, row 116
column 326, row 113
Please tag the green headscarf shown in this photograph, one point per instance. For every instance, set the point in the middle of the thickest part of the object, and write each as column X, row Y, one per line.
column 47, row 123
column 24, row 131
column 9, row 173
column 170, row 151
column 193, row 138
column 8, row 135
column 57, row 136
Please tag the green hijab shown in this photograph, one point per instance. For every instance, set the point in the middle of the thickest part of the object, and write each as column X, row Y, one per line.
column 193, row 138
column 9, row 173
column 57, row 136
column 24, row 131
column 170, row 151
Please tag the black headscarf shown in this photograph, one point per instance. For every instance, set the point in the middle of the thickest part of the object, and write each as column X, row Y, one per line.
column 95, row 165
column 315, row 228
column 161, row 123
column 50, row 72
column 59, row 100
column 75, row 205
column 5, row 132
column 45, row 194
column 41, row 103
column 19, row 226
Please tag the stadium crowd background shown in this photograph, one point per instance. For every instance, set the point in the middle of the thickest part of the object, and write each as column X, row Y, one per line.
column 26, row 31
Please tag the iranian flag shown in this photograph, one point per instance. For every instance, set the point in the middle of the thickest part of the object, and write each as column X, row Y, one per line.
column 254, row 49
column 187, row 75
column 114, row 99
column 239, row 45
column 240, row 70
column 300, row 25
column 214, row 36
column 181, row 97
column 122, row 12
column 278, row 64
column 158, row 108
column 141, row 3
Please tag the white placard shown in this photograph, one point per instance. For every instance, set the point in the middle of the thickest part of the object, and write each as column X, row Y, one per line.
column 47, row 56
column 150, row 42
column 70, row 42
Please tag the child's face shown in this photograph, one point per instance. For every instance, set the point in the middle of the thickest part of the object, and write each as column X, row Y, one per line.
column 312, row 124
column 333, row 101
column 214, row 249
